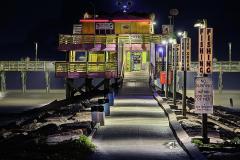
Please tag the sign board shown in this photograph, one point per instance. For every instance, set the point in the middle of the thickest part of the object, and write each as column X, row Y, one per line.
column 203, row 95
column 163, row 77
column 104, row 26
column 205, row 50
column 177, row 51
column 167, row 29
column 77, row 29
column 185, row 57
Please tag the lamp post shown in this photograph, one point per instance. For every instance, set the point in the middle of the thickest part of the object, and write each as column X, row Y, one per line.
column 170, row 41
column 202, row 24
column 162, row 57
column 36, row 50
column 167, row 57
column 184, row 89
column 230, row 55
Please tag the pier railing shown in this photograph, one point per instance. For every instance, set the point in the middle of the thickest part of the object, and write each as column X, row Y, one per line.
column 26, row 66
column 220, row 66
column 108, row 39
column 85, row 67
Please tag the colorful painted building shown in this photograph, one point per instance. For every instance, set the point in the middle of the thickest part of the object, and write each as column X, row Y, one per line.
column 106, row 47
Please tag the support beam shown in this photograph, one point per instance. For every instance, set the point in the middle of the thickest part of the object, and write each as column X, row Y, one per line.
column 88, row 84
column 69, row 87
column 3, row 81
column 220, row 79
column 47, row 81
column 106, row 86
column 24, row 81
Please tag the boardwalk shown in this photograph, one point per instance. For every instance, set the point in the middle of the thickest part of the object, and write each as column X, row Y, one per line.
column 137, row 128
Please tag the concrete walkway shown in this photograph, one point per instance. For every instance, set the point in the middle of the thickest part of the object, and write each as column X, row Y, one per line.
column 137, row 128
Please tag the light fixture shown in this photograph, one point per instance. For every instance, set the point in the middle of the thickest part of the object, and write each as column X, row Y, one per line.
column 180, row 33
column 164, row 42
column 201, row 23
column 154, row 23
column 170, row 40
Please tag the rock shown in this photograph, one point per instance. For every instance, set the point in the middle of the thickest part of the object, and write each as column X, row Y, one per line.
column 47, row 130
column 6, row 134
column 237, row 130
column 64, row 136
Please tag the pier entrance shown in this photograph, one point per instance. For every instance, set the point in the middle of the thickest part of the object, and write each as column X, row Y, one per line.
column 136, row 61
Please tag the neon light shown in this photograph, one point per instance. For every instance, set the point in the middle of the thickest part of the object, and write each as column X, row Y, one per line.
column 92, row 20
column 131, row 20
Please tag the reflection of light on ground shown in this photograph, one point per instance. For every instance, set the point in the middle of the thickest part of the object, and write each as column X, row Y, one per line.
column 135, row 101
column 2, row 95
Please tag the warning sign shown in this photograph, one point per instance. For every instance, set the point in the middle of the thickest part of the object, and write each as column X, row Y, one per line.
column 203, row 95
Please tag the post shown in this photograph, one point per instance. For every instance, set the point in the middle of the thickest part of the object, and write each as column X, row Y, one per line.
column 162, row 69
column 106, row 86
column 23, row 79
column 174, row 75
column 220, row 80
column 184, row 91
column 204, row 128
column 230, row 56
column 36, row 49
column 167, row 68
column 47, row 81
column 88, row 84
column 69, row 87
column 3, row 81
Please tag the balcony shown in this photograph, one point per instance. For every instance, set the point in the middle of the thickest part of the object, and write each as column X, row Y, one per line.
column 103, row 42
column 86, row 69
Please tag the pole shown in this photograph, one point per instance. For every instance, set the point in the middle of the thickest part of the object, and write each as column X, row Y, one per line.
column 36, row 48
column 174, row 75
column 184, row 82
column 204, row 128
column 166, row 89
column 230, row 55
column 162, row 69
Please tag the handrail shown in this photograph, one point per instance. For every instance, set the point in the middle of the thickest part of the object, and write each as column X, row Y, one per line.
column 107, row 39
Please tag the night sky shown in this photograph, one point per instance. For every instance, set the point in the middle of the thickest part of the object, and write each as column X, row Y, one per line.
column 24, row 22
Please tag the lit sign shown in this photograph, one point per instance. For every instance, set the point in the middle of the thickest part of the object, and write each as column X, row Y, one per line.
column 185, row 54
column 103, row 26
column 177, row 51
column 205, row 50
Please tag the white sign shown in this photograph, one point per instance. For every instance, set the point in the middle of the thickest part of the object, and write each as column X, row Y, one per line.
column 77, row 29
column 104, row 26
column 185, row 51
column 203, row 95
column 167, row 29
column 205, row 50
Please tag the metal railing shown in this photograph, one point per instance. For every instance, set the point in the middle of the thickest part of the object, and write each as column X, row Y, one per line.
column 223, row 66
column 26, row 66
column 220, row 66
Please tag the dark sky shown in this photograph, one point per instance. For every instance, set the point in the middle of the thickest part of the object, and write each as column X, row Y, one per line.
column 23, row 22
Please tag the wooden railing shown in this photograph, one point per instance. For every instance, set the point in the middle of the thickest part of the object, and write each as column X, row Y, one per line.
column 108, row 39
column 85, row 66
